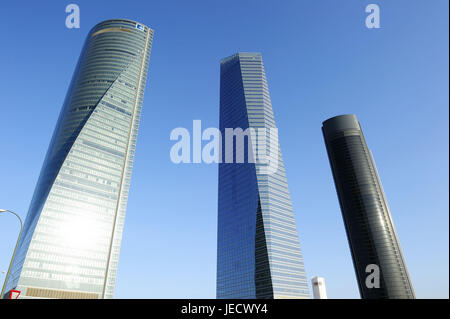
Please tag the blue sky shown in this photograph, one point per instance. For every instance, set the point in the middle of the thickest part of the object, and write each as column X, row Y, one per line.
column 320, row 61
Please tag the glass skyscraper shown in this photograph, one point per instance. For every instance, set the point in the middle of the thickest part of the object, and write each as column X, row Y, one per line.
column 258, row 253
column 73, row 231
column 368, row 222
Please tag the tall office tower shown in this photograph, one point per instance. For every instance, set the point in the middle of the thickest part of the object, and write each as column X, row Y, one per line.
column 73, row 230
column 259, row 254
column 319, row 290
column 374, row 245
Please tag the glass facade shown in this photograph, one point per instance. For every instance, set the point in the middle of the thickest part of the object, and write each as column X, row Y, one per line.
column 259, row 254
column 368, row 222
column 72, row 234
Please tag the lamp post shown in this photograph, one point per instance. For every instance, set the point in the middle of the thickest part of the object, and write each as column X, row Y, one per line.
column 15, row 248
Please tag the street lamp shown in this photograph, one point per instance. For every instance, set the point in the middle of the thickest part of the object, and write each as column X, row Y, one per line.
column 15, row 248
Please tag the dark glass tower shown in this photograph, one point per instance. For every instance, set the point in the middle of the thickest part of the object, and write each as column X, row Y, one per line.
column 259, row 253
column 73, row 231
column 370, row 229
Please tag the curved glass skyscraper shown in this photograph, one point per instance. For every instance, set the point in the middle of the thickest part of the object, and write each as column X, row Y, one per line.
column 258, row 254
column 370, row 229
column 72, row 234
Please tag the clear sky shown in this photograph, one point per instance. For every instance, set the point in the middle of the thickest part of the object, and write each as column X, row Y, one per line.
column 320, row 61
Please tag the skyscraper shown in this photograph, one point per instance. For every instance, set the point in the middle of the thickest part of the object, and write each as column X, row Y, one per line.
column 374, row 244
column 73, row 231
column 319, row 289
column 259, row 253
